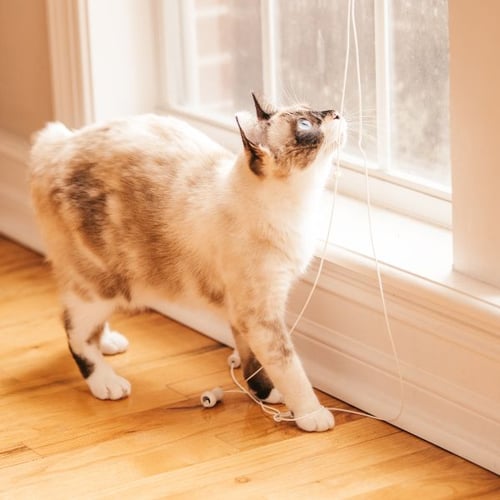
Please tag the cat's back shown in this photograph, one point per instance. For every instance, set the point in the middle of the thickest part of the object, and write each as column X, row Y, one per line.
column 137, row 141
column 141, row 154
column 128, row 183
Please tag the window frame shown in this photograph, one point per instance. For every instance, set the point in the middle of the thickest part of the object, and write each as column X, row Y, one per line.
column 421, row 201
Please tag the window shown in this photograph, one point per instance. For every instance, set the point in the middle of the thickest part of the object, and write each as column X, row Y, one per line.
column 294, row 50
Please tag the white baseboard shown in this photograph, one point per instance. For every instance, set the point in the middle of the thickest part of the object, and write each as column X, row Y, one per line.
column 16, row 212
column 448, row 343
column 458, row 427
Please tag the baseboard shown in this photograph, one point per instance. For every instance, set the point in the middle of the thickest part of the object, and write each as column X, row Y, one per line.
column 433, row 408
column 16, row 213
column 448, row 343
column 448, row 346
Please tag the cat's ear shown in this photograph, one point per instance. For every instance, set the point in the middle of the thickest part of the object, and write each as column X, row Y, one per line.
column 256, row 154
column 261, row 113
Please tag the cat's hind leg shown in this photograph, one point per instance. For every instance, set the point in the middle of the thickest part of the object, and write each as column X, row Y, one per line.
column 84, row 323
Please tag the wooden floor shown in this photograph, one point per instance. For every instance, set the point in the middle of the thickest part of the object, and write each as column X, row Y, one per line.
column 56, row 441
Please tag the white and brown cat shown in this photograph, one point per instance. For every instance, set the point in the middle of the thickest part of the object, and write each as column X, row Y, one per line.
column 144, row 209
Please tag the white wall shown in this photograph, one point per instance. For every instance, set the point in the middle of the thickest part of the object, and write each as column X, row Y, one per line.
column 25, row 92
column 475, row 132
column 25, row 106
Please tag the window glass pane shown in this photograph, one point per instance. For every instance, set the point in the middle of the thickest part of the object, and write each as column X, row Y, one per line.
column 419, row 90
column 311, row 58
column 222, row 54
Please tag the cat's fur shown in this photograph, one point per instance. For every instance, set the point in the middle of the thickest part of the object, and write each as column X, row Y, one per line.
column 144, row 209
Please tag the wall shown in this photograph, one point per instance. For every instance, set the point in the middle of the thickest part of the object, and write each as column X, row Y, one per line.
column 25, row 87
column 26, row 104
column 475, row 98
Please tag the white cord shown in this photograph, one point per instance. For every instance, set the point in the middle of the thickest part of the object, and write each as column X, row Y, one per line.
column 335, row 182
column 370, row 221
column 277, row 415
column 274, row 412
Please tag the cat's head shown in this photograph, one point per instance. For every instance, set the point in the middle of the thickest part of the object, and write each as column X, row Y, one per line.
column 281, row 141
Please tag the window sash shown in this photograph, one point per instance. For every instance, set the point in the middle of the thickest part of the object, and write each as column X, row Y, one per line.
column 420, row 200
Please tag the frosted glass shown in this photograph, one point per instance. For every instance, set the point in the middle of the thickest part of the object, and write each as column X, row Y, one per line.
column 222, row 46
column 228, row 55
column 312, row 42
column 420, row 90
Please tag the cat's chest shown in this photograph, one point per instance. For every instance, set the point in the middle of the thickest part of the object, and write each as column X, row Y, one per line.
column 299, row 232
column 293, row 244
column 304, row 246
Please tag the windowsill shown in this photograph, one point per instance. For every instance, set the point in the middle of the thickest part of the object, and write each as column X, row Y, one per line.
column 408, row 250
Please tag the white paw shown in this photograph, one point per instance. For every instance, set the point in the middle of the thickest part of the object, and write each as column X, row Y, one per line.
column 106, row 384
column 316, row 421
column 274, row 397
column 112, row 342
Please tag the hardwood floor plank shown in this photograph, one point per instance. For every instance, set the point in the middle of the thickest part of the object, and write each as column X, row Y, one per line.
column 131, row 456
column 259, row 471
column 17, row 454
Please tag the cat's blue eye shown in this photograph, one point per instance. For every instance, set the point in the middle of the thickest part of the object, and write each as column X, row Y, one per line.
column 304, row 124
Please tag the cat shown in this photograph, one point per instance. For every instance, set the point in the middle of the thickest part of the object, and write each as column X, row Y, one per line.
column 148, row 208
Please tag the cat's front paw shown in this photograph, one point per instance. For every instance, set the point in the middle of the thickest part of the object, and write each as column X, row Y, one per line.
column 106, row 384
column 316, row 421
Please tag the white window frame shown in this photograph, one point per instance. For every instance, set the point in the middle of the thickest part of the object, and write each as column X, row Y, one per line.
column 421, row 201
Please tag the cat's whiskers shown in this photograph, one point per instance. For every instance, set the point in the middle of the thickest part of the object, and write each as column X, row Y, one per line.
column 290, row 95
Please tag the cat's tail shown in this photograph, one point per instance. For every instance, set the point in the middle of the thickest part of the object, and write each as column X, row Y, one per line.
column 47, row 154
column 47, row 143
column 49, row 137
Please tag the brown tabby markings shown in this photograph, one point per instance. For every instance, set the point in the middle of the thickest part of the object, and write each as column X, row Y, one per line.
column 68, row 326
column 90, row 200
column 82, row 292
column 282, row 345
column 207, row 289
column 109, row 284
